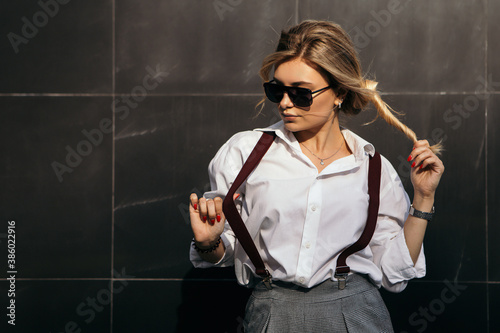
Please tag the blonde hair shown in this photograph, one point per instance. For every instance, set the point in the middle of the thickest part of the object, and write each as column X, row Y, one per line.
column 326, row 47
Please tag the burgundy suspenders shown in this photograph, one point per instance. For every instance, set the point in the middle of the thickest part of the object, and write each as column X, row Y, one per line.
column 374, row 171
column 234, row 218
column 241, row 232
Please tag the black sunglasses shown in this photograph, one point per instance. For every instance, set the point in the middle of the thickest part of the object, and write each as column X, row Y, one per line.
column 301, row 97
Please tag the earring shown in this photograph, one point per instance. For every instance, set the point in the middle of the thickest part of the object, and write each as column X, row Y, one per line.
column 340, row 105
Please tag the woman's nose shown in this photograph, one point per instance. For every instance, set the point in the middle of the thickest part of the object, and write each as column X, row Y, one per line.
column 286, row 102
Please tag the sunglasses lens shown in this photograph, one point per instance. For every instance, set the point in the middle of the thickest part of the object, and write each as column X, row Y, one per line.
column 274, row 92
column 300, row 96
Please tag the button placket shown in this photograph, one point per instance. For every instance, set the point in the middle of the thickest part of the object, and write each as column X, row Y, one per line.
column 310, row 232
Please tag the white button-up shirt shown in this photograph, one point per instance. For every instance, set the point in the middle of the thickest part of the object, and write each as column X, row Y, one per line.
column 301, row 220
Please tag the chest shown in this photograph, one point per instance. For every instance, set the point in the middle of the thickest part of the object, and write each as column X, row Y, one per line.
column 294, row 193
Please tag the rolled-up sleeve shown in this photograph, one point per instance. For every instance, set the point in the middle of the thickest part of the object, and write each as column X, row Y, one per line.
column 390, row 252
column 222, row 171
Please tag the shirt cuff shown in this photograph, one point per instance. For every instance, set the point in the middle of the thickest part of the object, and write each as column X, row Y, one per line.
column 397, row 265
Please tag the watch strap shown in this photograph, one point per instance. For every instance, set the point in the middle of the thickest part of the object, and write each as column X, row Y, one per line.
column 420, row 214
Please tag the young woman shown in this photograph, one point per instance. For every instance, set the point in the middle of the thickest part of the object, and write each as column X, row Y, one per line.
column 307, row 199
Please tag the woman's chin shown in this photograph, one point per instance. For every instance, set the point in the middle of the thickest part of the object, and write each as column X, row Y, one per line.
column 291, row 126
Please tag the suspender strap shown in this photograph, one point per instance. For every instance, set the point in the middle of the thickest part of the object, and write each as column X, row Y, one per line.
column 374, row 171
column 231, row 213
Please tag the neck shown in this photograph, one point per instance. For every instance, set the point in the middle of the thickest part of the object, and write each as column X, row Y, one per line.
column 322, row 140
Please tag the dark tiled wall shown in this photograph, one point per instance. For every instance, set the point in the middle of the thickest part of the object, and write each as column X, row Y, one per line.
column 111, row 111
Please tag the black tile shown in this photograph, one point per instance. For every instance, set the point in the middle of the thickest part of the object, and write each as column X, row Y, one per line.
column 409, row 47
column 436, row 307
column 180, row 306
column 203, row 45
column 171, row 140
column 163, row 148
column 63, row 226
column 152, row 240
column 493, row 45
column 69, row 51
column 493, row 188
column 455, row 241
column 57, row 306
column 494, row 305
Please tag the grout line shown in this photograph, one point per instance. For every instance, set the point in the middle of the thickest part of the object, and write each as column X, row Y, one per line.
column 486, row 87
column 114, row 94
column 174, row 279
column 61, row 279
column 55, row 94
column 119, row 279
column 444, row 93
column 214, row 279
column 113, row 151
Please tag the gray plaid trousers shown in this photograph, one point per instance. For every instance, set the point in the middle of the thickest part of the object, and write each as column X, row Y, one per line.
column 289, row 308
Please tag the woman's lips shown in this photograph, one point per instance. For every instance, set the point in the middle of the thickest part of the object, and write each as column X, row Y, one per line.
column 288, row 117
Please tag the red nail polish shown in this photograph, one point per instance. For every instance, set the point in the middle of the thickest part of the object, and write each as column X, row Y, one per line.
column 195, row 206
column 409, row 158
column 413, row 165
column 413, row 148
column 212, row 220
column 205, row 218
column 237, row 196
column 218, row 218
column 421, row 165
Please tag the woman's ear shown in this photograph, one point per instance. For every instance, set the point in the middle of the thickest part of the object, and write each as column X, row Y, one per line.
column 341, row 93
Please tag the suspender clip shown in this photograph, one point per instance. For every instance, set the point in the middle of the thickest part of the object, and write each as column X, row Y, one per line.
column 341, row 274
column 267, row 280
column 341, row 280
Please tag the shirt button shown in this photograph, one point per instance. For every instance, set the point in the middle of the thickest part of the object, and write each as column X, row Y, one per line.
column 313, row 208
column 301, row 279
column 308, row 245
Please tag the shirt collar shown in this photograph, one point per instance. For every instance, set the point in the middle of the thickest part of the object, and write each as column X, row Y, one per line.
column 359, row 146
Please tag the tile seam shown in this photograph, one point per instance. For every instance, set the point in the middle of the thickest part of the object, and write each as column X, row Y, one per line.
column 113, row 89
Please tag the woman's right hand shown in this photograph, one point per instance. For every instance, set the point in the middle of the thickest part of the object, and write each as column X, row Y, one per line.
column 207, row 219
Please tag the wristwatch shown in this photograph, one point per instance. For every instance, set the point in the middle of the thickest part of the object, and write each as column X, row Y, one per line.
column 422, row 215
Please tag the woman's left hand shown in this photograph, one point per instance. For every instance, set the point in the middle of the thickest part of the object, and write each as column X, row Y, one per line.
column 427, row 169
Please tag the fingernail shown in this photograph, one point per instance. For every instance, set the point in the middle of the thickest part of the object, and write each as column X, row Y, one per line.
column 212, row 220
column 195, row 206
column 413, row 148
column 409, row 158
column 421, row 165
column 237, row 196
column 218, row 218
column 205, row 218
column 413, row 165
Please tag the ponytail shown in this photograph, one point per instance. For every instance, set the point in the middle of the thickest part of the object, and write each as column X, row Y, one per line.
column 387, row 113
